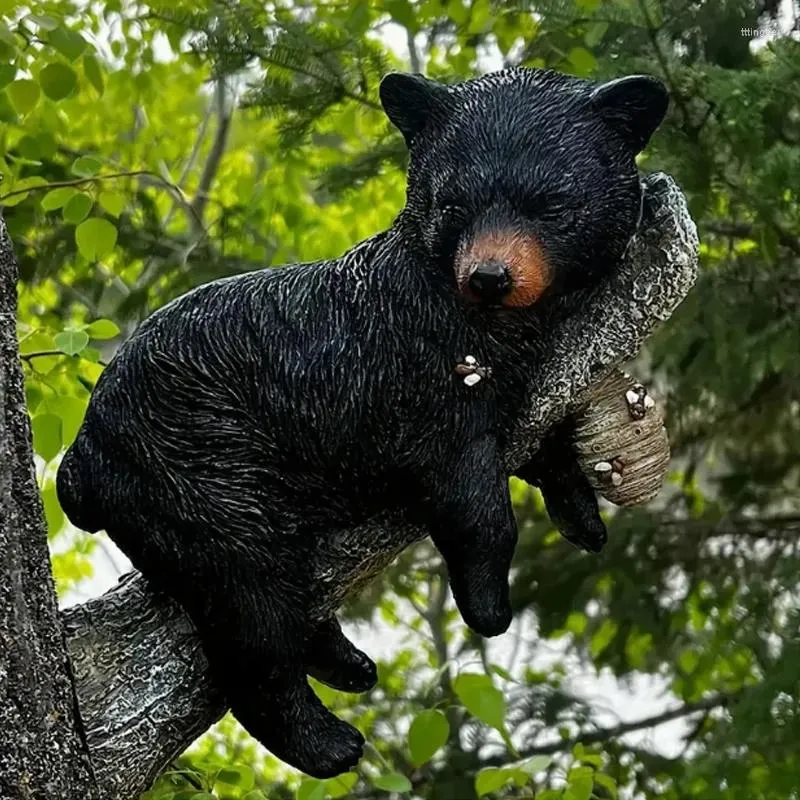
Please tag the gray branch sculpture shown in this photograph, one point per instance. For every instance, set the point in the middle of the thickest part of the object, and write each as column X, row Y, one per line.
column 139, row 672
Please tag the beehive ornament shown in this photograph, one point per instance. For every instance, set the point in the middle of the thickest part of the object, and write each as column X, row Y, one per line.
column 621, row 440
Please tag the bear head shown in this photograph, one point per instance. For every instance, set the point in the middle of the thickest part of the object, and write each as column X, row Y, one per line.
column 523, row 182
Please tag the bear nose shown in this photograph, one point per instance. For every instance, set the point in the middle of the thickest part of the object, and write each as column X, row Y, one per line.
column 490, row 281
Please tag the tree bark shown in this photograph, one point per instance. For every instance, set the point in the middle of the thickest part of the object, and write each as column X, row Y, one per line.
column 139, row 672
column 43, row 755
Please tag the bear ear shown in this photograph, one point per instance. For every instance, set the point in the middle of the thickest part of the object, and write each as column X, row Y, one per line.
column 634, row 106
column 409, row 100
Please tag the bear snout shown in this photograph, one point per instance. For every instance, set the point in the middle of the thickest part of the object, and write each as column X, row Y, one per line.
column 502, row 267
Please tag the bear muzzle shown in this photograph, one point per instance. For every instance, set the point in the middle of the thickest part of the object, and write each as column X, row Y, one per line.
column 502, row 267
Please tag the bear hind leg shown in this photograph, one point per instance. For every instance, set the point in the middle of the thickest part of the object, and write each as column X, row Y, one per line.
column 250, row 610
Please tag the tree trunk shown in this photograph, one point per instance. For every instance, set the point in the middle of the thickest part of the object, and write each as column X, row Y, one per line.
column 43, row 755
column 140, row 674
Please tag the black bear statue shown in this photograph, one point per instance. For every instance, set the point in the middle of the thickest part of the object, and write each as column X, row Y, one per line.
column 248, row 423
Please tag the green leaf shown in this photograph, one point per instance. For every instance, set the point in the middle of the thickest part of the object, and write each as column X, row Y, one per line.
column 7, row 74
column 535, row 764
column 77, row 208
column 8, row 52
column 579, row 773
column 595, row 33
column 71, row 342
column 103, row 329
column 112, row 202
column 46, row 143
column 582, row 61
column 311, row 789
column 90, row 354
column 481, row 698
column 240, row 776
column 47, row 435
column 33, row 396
column 7, row 112
column 86, row 166
column 608, row 783
column 72, row 410
column 519, row 777
column 29, row 150
column 44, row 21
column 91, row 69
column 490, row 779
column 58, row 81
column 402, row 12
column 56, row 198
column 256, row 794
column 580, row 789
column 428, row 732
column 393, row 782
column 95, row 238
column 24, row 95
column 480, row 16
column 6, row 37
column 603, row 637
column 53, row 513
column 69, row 43
column 341, row 785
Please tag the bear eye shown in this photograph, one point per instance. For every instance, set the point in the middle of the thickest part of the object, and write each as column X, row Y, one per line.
column 553, row 208
column 537, row 207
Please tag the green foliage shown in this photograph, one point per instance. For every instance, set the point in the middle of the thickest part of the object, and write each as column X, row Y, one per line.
column 393, row 782
column 481, row 698
column 427, row 734
column 58, row 80
column 95, row 238
column 117, row 201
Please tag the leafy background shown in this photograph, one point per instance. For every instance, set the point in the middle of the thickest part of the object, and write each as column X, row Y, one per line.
column 147, row 148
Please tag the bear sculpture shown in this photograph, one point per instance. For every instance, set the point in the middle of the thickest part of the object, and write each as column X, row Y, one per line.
column 249, row 422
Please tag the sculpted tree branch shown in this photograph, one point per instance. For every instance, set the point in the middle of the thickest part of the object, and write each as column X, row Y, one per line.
column 140, row 674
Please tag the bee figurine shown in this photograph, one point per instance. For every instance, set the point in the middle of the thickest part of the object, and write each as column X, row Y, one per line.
column 472, row 371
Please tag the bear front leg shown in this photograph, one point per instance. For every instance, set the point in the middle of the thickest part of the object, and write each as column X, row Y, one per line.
column 472, row 524
column 570, row 500
column 335, row 661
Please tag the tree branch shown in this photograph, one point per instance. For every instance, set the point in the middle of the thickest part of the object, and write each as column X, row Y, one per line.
column 745, row 230
column 211, row 166
column 142, row 678
column 139, row 670
column 606, row 734
column 415, row 62
column 779, row 527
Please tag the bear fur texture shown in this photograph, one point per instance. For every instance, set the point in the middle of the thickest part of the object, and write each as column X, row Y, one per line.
column 246, row 424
